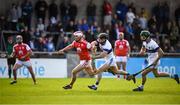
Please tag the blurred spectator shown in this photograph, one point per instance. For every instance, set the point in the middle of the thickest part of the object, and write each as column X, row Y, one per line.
column 40, row 25
column 129, row 35
column 59, row 27
column 131, row 5
column 152, row 21
column 40, row 9
column 71, row 27
column 52, row 25
column 73, row 11
column 174, row 35
column 85, row 26
column 107, row 10
column 13, row 16
column 177, row 15
column 121, row 10
column 130, row 16
column 3, row 23
column 20, row 25
column 26, row 35
column 158, row 11
column 114, row 19
column 143, row 21
column 64, row 10
column 144, row 13
column 53, row 9
column 121, row 27
column 79, row 25
column 27, row 10
column 91, row 12
column 167, row 28
column 19, row 10
column 50, row 45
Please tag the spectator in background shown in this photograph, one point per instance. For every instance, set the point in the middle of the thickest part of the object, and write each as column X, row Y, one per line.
column 10, row 61
column 53, row 9
column 50, row 45
column 144, row 13
column 143, row 21
column 27, row 10
column 19, row 10
column 71, row 27
column 174, row 35
column 158, row 12
column 73, row 11
column 129, row 35
column 20, row 25
column 152, row 21
column 91, row 12
column 121, row 10
column 3, row 23
column 40, row 9
column 59, row 27
column 79, row 25
column 107, row 10
column 121, row 27
column 131, row 5
column 177, row 15
column 26, row 35
column 40, row 25
column 13, row 16
column 64, row 10
column 130, row 16
column 85, row 26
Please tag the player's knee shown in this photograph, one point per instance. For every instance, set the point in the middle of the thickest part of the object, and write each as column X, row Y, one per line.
column 143, row 74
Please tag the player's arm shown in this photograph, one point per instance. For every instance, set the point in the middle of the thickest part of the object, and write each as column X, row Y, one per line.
column 29, row 53
column 101, row 55
column 129, row 49
column 13, row 54
column 94, row 47
column 142, row 51
column 65, row 49
column 160, row 54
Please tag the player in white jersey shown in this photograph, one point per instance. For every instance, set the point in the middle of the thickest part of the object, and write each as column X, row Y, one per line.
column 154, row 54
column 107, row 53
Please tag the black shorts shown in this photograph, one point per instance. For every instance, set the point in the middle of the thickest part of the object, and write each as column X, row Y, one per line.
column 11, row 61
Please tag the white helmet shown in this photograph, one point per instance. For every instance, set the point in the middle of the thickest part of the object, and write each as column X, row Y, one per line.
column 78, row 33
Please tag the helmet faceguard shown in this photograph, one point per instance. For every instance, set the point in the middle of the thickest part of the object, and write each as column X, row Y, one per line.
column 78, row 35
column 102, row 37
column 19, row 39
column 144, row 35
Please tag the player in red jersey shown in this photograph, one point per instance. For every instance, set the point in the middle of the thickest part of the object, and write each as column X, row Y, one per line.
column 122, row 51
column 22, row 52
column 82, row 47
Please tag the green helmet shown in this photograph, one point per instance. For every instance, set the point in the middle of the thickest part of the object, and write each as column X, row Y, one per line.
column 145, row 33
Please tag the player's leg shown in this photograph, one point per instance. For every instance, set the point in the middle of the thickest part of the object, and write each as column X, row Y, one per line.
column 17, row 65
column 119, row 67
column 32, row 74
column 74, row 72
column 164, row 74
column 30, row 69
column 124, row 68
column 144, row 73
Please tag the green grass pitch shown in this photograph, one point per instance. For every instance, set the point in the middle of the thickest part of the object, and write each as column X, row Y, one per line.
column 111, row 91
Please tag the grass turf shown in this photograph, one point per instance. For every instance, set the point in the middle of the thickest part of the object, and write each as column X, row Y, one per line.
column 110, row 91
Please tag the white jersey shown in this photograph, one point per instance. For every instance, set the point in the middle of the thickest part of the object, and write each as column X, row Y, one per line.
column 108, row 48
column 152, row 50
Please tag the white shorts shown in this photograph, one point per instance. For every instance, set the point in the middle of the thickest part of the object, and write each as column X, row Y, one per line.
column 24, row 63
column 150, row 61
column 85, row 63
column 121, row 58
column 111, row 61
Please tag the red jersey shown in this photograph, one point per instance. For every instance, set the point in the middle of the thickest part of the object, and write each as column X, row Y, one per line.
column 121, row 47
column 21, row 50
column 82, row 49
